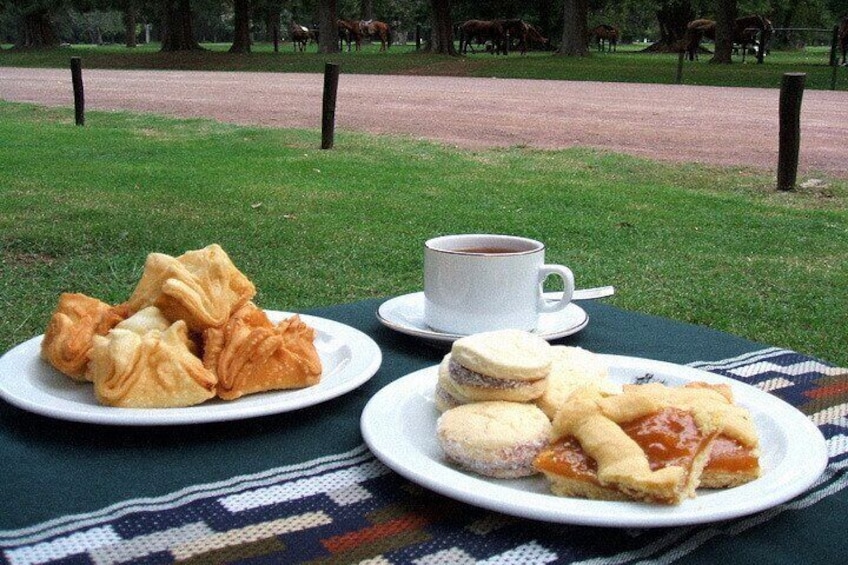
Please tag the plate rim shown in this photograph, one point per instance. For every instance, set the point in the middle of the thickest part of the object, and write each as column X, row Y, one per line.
column 365, row 361
column 445, row 337
column 494, row 495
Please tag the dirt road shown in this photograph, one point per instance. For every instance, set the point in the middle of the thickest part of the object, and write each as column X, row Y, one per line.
column 723, row 126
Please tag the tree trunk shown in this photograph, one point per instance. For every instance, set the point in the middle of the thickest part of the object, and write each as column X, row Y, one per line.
column 241, row 24
column 672, row 17
column 441, row 39
column 37, row 31
column 367, row 10
column 130, row 23
column 178, row 34
column 575, row 32
column 328, row 30
column 725, row 22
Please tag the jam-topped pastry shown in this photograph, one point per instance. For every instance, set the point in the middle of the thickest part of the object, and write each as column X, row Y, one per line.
column 649, row 443
column 735, row 455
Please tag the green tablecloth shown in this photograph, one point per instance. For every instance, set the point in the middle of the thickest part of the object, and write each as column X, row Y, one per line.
column 89, row 493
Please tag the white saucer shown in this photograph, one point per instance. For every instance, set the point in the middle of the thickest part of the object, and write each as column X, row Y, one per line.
column 405, row 314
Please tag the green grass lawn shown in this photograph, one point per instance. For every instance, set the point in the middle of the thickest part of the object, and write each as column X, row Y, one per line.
column 628, row 64
column 81, row 207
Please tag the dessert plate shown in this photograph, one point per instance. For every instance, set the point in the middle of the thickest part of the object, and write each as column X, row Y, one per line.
column 349, row 358
column 405, row 314
column 399, row 426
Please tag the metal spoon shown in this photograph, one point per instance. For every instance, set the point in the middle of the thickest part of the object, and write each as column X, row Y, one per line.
column 592, row 293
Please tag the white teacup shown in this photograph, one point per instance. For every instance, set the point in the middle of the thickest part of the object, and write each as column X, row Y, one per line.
column 482, row 282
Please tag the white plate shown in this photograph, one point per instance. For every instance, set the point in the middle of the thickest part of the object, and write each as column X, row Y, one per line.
column 399, row 425
column 405, row 314
column 349, row 358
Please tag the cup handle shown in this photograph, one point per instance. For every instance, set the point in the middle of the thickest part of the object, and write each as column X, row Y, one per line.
column 567, row 277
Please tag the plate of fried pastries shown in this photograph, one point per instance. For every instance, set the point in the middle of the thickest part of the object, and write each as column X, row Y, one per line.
column 349, row 358
column 188, row 345
column 401, row 425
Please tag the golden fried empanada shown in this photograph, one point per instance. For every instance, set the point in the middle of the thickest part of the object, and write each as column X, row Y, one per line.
column 145, row 362
column 251, row 354
column 202, row 287
column 72, row 327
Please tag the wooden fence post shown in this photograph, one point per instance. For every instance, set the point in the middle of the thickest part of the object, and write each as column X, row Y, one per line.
column 678, row 79
column 79, row 97
column 834, row 57
column 328, row 114
column 791, row 93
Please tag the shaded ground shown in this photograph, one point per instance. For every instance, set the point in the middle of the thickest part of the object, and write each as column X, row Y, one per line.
column 677, row 123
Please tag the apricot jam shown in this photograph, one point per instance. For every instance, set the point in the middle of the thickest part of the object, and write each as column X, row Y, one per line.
column 668, row 437
column 728, row 455
column 566, row 457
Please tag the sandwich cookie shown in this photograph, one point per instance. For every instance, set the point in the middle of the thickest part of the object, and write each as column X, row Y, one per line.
column 510, row 365
column 496, row 439
column 572, row 368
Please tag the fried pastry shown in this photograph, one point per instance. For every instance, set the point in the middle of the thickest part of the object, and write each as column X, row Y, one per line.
column 71, row 330
column 649, row 443
column 202, row 287
column 251, row 354
column 148, row 362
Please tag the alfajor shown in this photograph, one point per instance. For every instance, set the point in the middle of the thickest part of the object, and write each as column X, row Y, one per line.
column 510, row 365
column 495, row 439
column 571, row 368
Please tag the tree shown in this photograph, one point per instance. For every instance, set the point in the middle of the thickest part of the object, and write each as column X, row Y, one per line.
column 725, row 22
column 575, row 33
column 672, row 16
column 328, row 31
column 241, row 25
column 441, row 39
column 178, row 32
column 35, row 21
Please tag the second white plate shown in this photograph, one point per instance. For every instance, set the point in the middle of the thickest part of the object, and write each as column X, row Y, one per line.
column 399, row 426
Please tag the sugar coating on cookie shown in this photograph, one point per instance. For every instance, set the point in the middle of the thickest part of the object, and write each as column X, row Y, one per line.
column 496, row 438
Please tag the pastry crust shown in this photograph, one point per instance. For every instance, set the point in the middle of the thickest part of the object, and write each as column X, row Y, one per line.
column 202, row 287
column 251, row 354
column 69, row 335
column 617, row 437
column 145, row 362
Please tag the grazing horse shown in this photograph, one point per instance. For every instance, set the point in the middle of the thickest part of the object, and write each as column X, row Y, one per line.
column 605, row 32
column 480, row 31
column 843, row 38
column 378, row 29
column 300, row 36
column 533, row 35
column 745, row 32
column 349, row 33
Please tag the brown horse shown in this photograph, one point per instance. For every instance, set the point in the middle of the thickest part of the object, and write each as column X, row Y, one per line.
column 534, row 36
column 300, row 36
column 605, row 32
column 481, row 31
column 745, row 32
column 843, row 38
column 378, row 29
column 349, row 33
